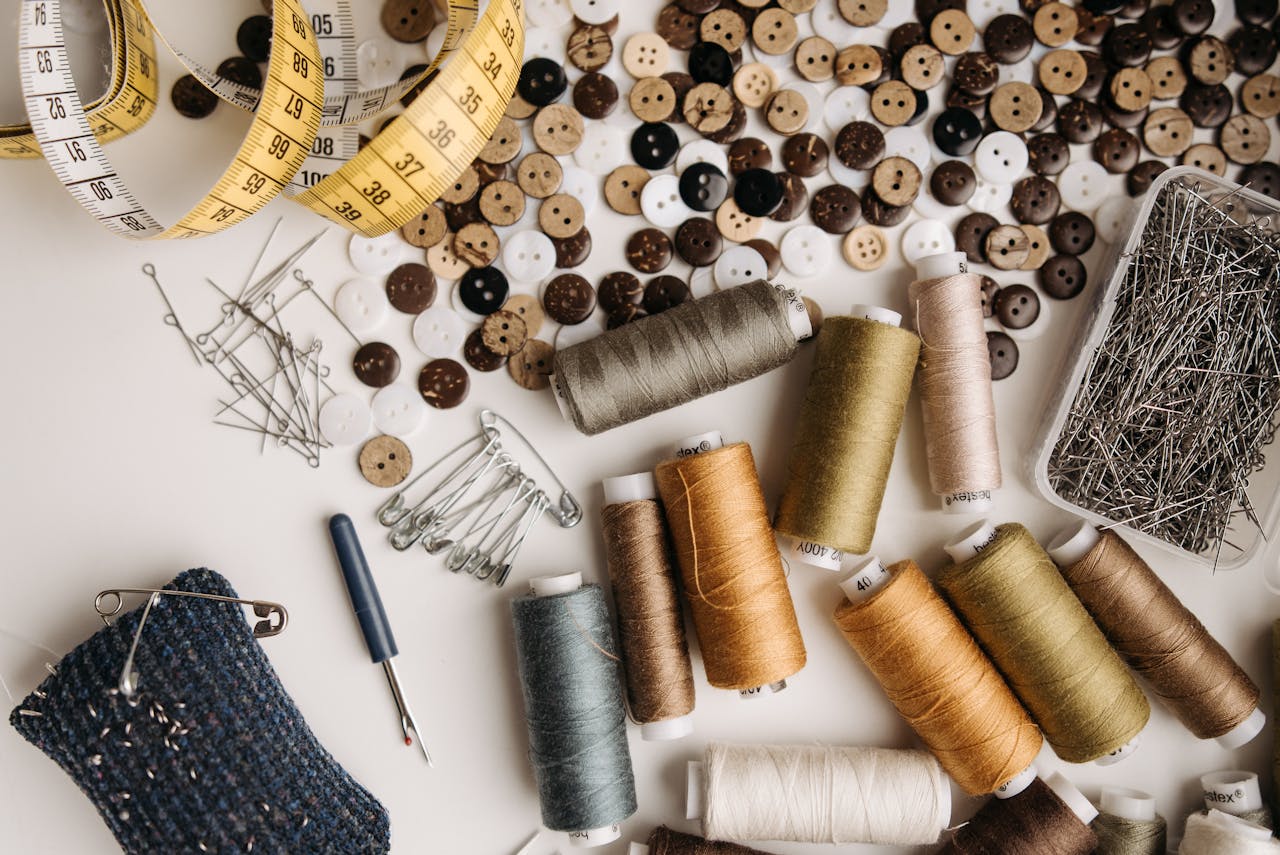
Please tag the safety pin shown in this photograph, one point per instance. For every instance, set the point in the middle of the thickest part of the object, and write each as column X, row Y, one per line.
column 423, row 515
column 439, row 520
column 393, row 509
column 275, row 618
column 461, row 555
column 569, row 511
column 537, row 508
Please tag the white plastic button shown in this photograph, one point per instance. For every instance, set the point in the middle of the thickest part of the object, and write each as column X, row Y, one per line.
column 909, row 141
column 813, row 97
column 344, row 419
column 1113, row 218
column 739, row 265
column 439, row 332
column 1001, row 157
column 548, row 13
column 528, row 256
column 661, row 204
column 930, row 208
column 603, row 148
column 361, row 305
column 806, row 251
column 846, row 104
column 926, row 237
column 854, row 179
column 583, row 186
column 594, row 11
column 896, row 13
column 1083, row 186
column 831, row 25
column 379, row 62
column 1023, row 71
column 376, row 256
column 398, row 410
column 544, row 42
column 983, row 12
column 702, row 151
column 988, row 197
column 702, row 282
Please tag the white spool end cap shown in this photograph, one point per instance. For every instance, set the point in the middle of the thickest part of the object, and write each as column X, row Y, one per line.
column 967, row 502
column 940, row 265
column 867, row 576
column 667, row 729
column 762, row 691
column 1233, row 791
column 1073, row 543
column 695, row 784
column 1133, row 805
column 699, row 444
column 1245, row 731
column 971, row 541
column 1017, row 783
column 594, row 836
column 1235, row 824
column 879, row 314
column 550, row 586
column 1120, row 753
column 812, row 553
column 561, row 400
column 629, row 488
column 637, row 849
column 1065, row 790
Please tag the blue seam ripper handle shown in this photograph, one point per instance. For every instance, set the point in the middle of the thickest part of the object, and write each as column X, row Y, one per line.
column 364, row 594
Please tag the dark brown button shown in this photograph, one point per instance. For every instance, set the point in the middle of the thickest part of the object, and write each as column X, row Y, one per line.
column 427, row 229
column 1255, row 12
column 860, row 145
column 649, row 251
column 1095, row 77
column 1139, row 181
column 879, row 213
column 663, row 292
column 589, row 48
column 1093, row 27
column 478, row 356
column 531, row 367
column 1117, row 150
column 1008, row 38
column 503, row 332
column 680, row 83
column 835, row 209
column 191, row 98
column 698, row 241
column 732, row 131
column 1080, row 121
column 408, row 20
column 749, row 153
column 573, row 250
column 539, row 175
column 678, row 27
column 976, row 104
column 411, row 288
column 1017, row 307
column 904, row 37
column 699, row 7
column 795, row 198
column 569, row 299
column 1003, row 352
column 1127, row 46
column 1262, row 177
column 1208, row 106
column 1126, row 119
column 457, row 216
column 487, row 173
column 1062, row 277
column 595, row 95
column 976, row 73
column 1035, row 200
column 804, row 155
column 990, row 290
column 952, row 182
column 971, row 235
column 1048, row 112
column 619, row 289
column 1048, row 154
column 772, row 257
column 253, row 37
column 443, row 383
column 624, row 315
column 242, row 70
column 1072, row 233
column 1254, row 48
column 376, row 364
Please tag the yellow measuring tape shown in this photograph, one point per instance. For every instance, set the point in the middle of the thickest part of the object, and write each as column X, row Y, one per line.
column 389, row 182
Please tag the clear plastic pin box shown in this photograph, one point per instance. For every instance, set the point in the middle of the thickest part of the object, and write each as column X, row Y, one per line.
column 1243, row 540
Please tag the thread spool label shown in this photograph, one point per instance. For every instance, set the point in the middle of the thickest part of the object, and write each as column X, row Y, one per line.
column 762, row 691
column 797, row 313
column 815, row 554
column 1227, row 799
column 875, row 575
column 700, row 444
column 971, row 500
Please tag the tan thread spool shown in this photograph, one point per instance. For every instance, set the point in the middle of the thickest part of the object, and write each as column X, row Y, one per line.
column 731, row 569
column 940, row 681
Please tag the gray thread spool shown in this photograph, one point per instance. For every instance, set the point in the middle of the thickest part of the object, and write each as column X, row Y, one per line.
column 1128, row 824
column 689, row 351
column 573, row 705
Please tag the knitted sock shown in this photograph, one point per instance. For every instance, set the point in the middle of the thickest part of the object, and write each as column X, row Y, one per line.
column 210, row 754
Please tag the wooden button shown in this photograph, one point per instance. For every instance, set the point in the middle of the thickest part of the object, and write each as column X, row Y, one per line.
column 426, row 229
column 893, row 103
column 858, row 65
column 539, row 175
column 518, row 108
column 1062, row 72
column 753, row 83
column 589, row 48
column 678, row 27
column 951, row 32
column 708, row 107
column 749, row 153
column 502, row 203
column 1260, row 96
column 1167, row 132
column 411, row 288
column 815, row 60
column 862, row 13
column 774, row 31
column 1131, row 89
column 1168, row 78
column 649, row 250
column 645, row 55
column 504, row 332
column 560, row 215
column 787, row 111
column 408, row 20
column 896, row 181
column 1055, row 24
column 531, row 367
column 528, row 309
column 1007, row 247
column 1245, row 139
column 622, row 188
column 736, row 225
column 463, row 189
column 385, row 461
column 865, row 248
column 595, row 95
column 922, row 67
column 573, row 250
column 477, row 244
column 478, row 355
column 1207, row 157
column 652, row 99
column 1038, row 246
column 1210, row 61
column 376, row 364
column 1015, row 107
column 557, row 129
column 505, row 143
column 443, row 261
column 724, row 27
column 569, row 299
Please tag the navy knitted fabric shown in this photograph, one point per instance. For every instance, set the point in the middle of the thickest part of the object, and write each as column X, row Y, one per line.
column 210, row 754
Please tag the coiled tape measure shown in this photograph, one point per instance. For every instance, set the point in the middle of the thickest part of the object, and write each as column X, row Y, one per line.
column 373, row 191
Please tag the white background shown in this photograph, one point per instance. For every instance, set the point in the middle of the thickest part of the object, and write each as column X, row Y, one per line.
column 113, row 475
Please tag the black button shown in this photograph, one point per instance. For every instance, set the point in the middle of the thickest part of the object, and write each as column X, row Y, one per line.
column 1062, row 277
column 1254, row 48
column 1004, row 354
column 957, row 131
column 1262, row 177
column 254, row 37
column 1009, row 38
column 1104, row 7
column 758, row 192
column 1192, row 17
column 483, row 290
column 703, row 187
column 1256, row 12
column 242, row 70
column 541, row 81
column 191, row 98
column 1048, row 154
column 654, row 145
column 710, row 63
column 1139, row 181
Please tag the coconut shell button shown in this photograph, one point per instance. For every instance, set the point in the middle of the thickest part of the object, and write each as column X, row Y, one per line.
column 663, row 292
column 529, row 310
column 1080, row 121
column 971, row 235
column 893, row 103
column 905, row 36
column 623, row 187
column 517, row 108
column 1062, row 277
column 560, row 216
column 976, row 73
column 758, row 192
column 1071, row 233
column 774, row 32
column 531, row 367
column 1139, row 181
column 680, row 83
column 795, row 198
column 569, row 299
column 1035, row 200
column 956, row 131
column 1003, row 352
column 649, row 250
column 860, row 145
column 896, row 181
column 542, row 81
column 1210, row 60
column 385, row 461
column 708, row 108
column 753, row 83
column 724, row 27
column 703, row 187
column 976, row 104
column 1038, row 241
column 786, row 111
column 804, row 155
column 1093, row 26
column 623, row 316
column 865, row 248
column 1017, row 307
column 769, row 252
column 411, row 288
column 443, row 383
column 476, row 244
column 733, row 130
column 573, row 250
column 619, row 289
column 858, row 65
column 595, row 95
column 877, row 212
column 1208, row 106
column 1168, row 78
column 1207, row 157
column 678, row 28
column 1256, row 12
column 645, row 55
column 698, row 241
column 589, row 48
column 376, row 364
column 502, row 203
column 1254, row 49
column 652, row 99
column 427, row 229
column 1015, row 107
column 952, row 182
column 191, row 98
column 408, row 20
column 835, row 209
column 1055, row 24
column 444, row 262
column 815, row 59
column 1008, row 38
column 951, row 32
column 1127, row 46
column 505, row 143
column 1131, row 89
column 1260, row 96
column 1263, row 178
column 989, row 290
column 1245, row 139
column 922, row 67
column 557, row 129
column 503, row 332
column 479, row 356
column 1192, row 17
column 1062, row 72
column 1007, row 247
column 862, row 13
column 458, row 215
column 735, row 224
column 1117, row 150
column 1048, row 154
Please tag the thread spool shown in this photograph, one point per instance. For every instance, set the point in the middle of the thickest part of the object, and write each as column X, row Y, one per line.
column 665, row 841
column 845, row 436
column 689, row 351
column 573, row 706
column 938, row 678
column 650, row 627
column 1010, row 595
column 1216, row 833
column 1158, row 636
column 730, row 566
column 1128, row 824
column 818, row 794
column 1236, row 791
column 955, row 383
column 1048, row 816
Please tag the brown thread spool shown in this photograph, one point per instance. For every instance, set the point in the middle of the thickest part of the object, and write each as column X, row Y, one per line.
column 650, row 627
column 664, row 841
column 729, row 562
column 1158, row 636
column 939, row 680
column 1047, row 818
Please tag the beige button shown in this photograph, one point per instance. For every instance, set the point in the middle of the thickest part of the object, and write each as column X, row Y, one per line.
column 816, row 59
column 1055, row 24
column 755, row 4
column 502, row 203
column 951, row 32
column 1168, row 77
column 1245, row 139
column 652, row 99
column 753, row 83
column 1038, row 247
column 708, row 107
column 922, row 67
column 505, row 143
column 518, row 108
column 385, row 461
column 645, row 55
column 858, row 65
column 862, row 13
column 798, row 7
column 1207, row 157
column 589, row 48
column 426, row 229
column 1007, row 247
column 775, row 32
column 1211, row 61
column 724, row 27
column 1062, row 72
column 787, row 111
column 503, row 332
column 1167, row 132
column 1260, row 95
column 529, row 310
column 734, row 224
column 865, row 248
column 896, row 181
column 531, row 367
column 477, row 244
column 1131, row 89
column 464, row 189
column 443, row 261
column 622, row 188
column 893, row 103
column 539, row 175
column 561, row 216
column 1015, row 107
column 557, row 129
